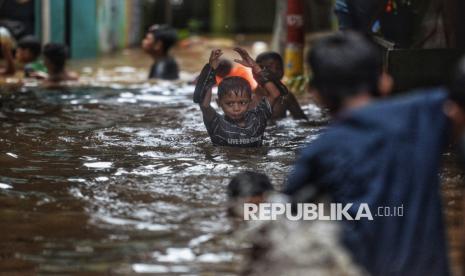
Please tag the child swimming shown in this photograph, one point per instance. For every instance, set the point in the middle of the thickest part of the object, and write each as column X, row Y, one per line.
column 240, row 126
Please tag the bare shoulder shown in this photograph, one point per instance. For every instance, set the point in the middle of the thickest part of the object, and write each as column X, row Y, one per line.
column 72, row 76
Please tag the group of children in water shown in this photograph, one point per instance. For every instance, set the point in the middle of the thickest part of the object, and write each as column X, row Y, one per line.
column 245, row 117
column 47, row 63
column 245, row 108
column 381, row 152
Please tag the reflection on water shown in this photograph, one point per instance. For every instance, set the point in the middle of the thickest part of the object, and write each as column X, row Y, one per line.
column 122, row 180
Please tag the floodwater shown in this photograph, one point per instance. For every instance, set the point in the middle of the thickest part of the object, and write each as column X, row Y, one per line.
column 122, row 179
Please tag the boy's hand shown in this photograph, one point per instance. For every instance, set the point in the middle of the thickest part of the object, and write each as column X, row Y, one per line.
column 247, row 60
column 215, row 58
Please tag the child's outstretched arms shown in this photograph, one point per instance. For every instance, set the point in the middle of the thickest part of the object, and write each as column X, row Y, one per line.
column 205, row 82
column 261, row 76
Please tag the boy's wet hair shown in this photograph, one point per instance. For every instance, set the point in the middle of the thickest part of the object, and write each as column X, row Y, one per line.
column 234, row 84
column 344, row 64
column 165, row 34
column 56, row 54
column 249, row 184
column 32, row 44
column 270, row 55
column 457, row 84
column 224, row 68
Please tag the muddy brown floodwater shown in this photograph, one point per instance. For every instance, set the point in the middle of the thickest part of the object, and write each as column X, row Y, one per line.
column 122, row 179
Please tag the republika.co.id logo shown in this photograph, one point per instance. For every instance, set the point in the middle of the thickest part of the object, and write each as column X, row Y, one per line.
column 320, row 211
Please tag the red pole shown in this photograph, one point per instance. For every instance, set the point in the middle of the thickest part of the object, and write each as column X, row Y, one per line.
column 295, row 38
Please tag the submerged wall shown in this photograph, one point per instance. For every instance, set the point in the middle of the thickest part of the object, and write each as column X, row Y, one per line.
column 89, row 27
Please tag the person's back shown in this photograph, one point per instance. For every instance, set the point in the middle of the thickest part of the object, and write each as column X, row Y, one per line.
column 157, row 43
column 385, row 154
column 164, row 68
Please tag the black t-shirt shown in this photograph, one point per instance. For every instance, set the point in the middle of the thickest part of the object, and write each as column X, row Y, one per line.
column 166, row 69
column 224, row 132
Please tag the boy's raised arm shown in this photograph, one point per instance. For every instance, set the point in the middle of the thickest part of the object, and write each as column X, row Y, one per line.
column 205, row 82
column 261, row 76
column 207, row 110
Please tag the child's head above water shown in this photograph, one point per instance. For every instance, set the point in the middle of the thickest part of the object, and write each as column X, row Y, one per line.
column 224, row 68
column 345, row 65
column 234, row 97
column 273, row 62
column 248, row 185
column 28, row 50
column 159, row 39
column 55, row 57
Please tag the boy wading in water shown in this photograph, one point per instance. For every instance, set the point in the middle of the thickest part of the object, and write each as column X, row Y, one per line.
column 240, row 126
column 273, row 62
column 157, row 43
column 55, row 55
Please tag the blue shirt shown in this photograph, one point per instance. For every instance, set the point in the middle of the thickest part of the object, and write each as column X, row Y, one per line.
column 386, row 154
